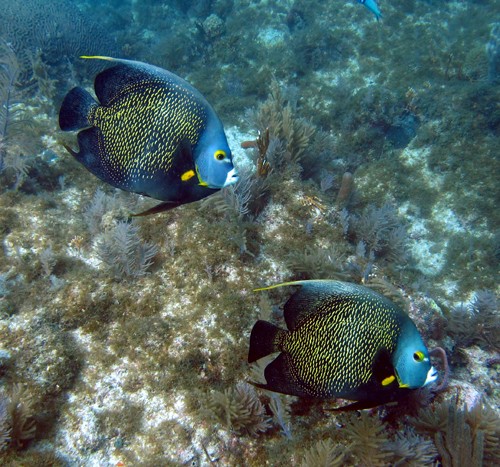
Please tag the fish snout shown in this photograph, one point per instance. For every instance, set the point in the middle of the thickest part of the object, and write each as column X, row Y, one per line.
column 432, row 376
column 231, row 178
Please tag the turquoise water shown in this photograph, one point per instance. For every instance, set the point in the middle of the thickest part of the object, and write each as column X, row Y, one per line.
column 381, row 168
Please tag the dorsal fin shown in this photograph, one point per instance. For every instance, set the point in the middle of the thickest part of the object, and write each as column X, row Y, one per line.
column 314, row 294
column 110, row 82
column 305, row 301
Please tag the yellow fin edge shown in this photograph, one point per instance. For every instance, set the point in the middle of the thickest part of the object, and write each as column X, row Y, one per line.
column 98, row 57
column 275, row 286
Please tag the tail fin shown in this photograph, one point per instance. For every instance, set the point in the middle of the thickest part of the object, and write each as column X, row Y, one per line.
column 75, row 110
column 263, row 340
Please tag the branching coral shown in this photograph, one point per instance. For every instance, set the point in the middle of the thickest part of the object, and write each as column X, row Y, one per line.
column 20, row 417
column 463, row 436
column 318, row 263
column 233, row 201
column 4, row 424
column 293, row 134
column 409, row 449
column 457, row 444
column 476, row 322
column 324, row 454
column 11, row 125
column 238, row 409
column 367, row 437
column 281, row 413
column 381, row 232
column 123, row 251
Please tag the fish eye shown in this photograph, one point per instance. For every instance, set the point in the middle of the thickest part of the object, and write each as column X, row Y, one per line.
column 418, row 356
column 219, row 155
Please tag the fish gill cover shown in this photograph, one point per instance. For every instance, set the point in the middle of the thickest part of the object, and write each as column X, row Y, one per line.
column 370, row 156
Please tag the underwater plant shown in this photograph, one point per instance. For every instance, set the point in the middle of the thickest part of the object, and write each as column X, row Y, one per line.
column 58, row 28
column 476, row 321
column 381, row 232
column 10, row 122
column 121, row 249
column 4, row 424
column 318, row 263
column 18, row 414
column 367, row 437
column 324, row 453
column 238, row 409
column 409, row 449
column 463, row 435
column 289, row 136
column 94, row 212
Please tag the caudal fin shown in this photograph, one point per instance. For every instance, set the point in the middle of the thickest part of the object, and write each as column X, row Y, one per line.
column 75, row 110
column 263, row 340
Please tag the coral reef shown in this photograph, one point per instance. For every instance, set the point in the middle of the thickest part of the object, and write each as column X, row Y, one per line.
column 463, row 436
column 324, row 452
column 239, row 410
column 476, row 322
column 58, row 29
column 369, row 154
column 123, row 252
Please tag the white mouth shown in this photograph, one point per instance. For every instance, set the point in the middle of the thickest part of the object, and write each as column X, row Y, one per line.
column 432, row 376
column 231, row 178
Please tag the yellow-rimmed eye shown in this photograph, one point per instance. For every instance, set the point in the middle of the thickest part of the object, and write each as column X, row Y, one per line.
column 219, row 155
column 418, row 356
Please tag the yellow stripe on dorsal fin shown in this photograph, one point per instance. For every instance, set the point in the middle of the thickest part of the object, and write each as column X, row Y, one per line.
column 98, row 57
column 275, row 286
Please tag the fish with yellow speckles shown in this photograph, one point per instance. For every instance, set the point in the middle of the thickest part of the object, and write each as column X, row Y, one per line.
column 343, row 340
column 151, row 133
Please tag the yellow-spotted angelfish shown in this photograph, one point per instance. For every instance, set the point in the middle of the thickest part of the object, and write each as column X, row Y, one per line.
column 151, row 133
column 343, row 341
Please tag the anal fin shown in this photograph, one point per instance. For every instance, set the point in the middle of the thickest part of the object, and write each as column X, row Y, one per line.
column 166, row 206
column 280, row 378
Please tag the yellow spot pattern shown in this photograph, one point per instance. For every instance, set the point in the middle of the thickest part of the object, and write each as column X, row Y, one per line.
column 333, row 352
column 142, row 127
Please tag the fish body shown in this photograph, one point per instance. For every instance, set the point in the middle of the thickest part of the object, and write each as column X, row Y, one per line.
column 344, row 341
column 150, row 132
column 372, row 6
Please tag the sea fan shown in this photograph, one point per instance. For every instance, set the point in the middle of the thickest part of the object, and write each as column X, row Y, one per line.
column 4, row 423
column 58, row 28
column 381, row 232
column 123, row 251
column 367, row 437
column 324, row 453
column 20, row 412
column 463, row 436
column 10, row 123
column 238, row 409
column 409, row 449
column 476, row 322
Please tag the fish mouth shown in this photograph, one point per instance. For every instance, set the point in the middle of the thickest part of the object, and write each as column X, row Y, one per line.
column 432, row 376
column 231, row 178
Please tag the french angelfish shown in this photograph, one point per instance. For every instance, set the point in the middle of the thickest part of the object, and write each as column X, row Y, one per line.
column 151, row 133
column 343, row 341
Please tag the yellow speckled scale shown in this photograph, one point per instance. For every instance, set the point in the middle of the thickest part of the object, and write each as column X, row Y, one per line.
column 150, row 132
column 343, row 340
